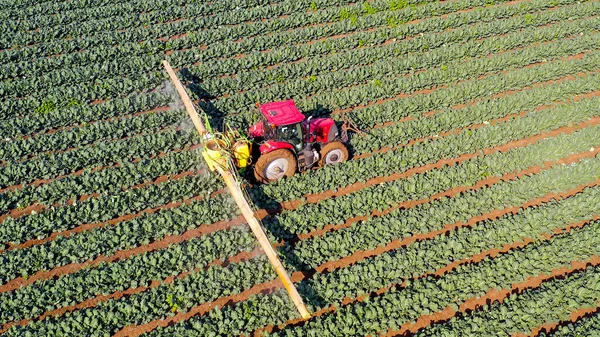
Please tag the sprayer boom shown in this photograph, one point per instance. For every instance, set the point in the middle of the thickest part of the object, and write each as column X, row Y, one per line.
column 220, row 161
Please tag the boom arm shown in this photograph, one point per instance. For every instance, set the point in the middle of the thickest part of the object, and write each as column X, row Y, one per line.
column 242, row 203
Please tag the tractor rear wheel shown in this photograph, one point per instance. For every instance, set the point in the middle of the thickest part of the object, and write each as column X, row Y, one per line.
column 333, row 153
column 275, row 165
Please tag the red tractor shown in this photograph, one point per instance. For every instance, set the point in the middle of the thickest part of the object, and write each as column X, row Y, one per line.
column 288, row 141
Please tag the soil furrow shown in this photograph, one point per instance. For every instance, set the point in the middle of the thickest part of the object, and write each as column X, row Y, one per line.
column 38, row 207
column 493, row 296
column 79, row 172
column 492, row 253
column 122, row 254
column 92, row 302
column 551, row 327
column 89, row 226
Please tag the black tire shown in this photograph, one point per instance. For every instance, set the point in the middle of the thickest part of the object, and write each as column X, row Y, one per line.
column 333, row 153
column 266, row 174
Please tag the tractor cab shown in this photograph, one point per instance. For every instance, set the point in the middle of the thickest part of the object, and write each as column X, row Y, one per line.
column 288, row 141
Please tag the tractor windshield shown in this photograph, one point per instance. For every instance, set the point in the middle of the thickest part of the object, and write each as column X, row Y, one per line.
column 291, row 133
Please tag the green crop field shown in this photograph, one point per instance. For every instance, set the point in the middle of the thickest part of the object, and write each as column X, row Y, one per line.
column 470, row 205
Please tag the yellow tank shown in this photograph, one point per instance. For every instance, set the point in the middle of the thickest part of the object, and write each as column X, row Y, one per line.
column 213, row 155
column 241, row 153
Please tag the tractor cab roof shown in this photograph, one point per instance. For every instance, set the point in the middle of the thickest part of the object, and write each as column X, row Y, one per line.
column 282, row 112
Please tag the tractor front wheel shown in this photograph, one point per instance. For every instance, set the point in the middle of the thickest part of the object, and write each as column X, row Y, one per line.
column 275, row 165
column 333, row 153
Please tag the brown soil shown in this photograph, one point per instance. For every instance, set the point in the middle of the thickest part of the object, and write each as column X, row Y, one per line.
column 92, row 302
column 552, row 327
column 93, row 225
column 37, row 207
column 440, row 272
column 494, row 295
column 122, row 254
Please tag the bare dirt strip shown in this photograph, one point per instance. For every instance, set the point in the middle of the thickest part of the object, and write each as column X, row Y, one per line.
column 369, row 30
column 38, row 207
column 111, row 222
column 492, row 253
column 394, row 245
column 301, row 276
column 92, row 302
column 552, row 327
column 122, row 254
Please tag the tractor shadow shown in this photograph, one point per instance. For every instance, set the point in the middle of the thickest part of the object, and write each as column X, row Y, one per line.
column 270, row 208
column 281, row 234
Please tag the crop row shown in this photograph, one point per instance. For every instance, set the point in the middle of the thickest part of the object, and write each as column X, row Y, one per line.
column 69, row 17
column 16, row 150
column 145, row 63
column 520, row 313
column 114, row 87
column 126, row 49
column 407, row 55
column 397, row 305
column 360, row 40
column 369, row 17
column 123, row 65
column 105, row 207
column 71, row 75
column 109, row 321
column 100, row 154
column 173, row 28
column 107, row 181
column 136, row 271
column 587, row 325
column 447, row 119
column 63, row 9
column 401, row 159
column 133, row 14
column 403, row 223
column 402, row 305
column 187, row 19
column 429, row 255
column 377, row 80
column 21, row 123
column 107, row 240
column 96, row 72
column 336, row 211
